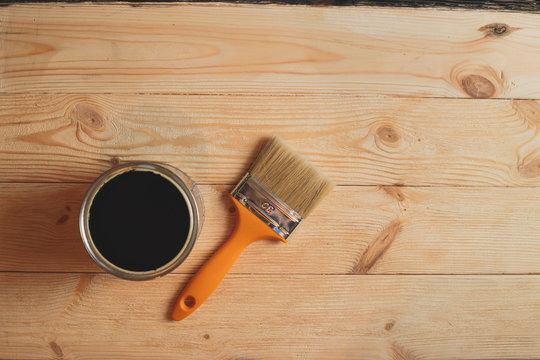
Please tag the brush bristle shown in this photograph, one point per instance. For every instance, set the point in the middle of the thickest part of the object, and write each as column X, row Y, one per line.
column 290, row 177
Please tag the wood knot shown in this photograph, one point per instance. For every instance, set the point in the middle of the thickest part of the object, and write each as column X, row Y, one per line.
column 88, row 116
column 83, row 284
column 477, row 80
column 389, row 138
column 529, row 110
column 530, row 169
column 206, row 336
column 477, row 86
column 115, row 160
column 389, row 325
column 378, row 247
column 62, row 219
column 393, row 191
column 497, row 30
column 388, row 135
column 57, row 349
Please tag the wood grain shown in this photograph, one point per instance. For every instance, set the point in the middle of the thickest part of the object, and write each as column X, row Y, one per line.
column 356, row 141
column 356, row 230
column 210, row 48
column 425, row 118
column 266, row 317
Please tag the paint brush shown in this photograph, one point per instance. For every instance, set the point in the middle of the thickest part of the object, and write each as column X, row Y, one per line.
column 280, row 189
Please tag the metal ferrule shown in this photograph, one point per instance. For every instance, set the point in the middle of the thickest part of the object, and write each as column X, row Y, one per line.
column 266, row 206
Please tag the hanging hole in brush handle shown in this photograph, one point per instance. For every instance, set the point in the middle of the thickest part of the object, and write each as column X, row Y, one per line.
column 189, row 302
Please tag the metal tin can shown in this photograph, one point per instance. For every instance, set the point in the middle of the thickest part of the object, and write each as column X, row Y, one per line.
column 187, row 189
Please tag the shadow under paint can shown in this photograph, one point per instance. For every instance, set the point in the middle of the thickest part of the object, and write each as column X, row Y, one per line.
column 140, row 220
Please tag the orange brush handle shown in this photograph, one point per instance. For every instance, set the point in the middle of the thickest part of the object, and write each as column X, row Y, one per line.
column 249, row 228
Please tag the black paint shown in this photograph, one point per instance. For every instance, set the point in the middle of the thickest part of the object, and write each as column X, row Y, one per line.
column 523, row 5
column 139, row 221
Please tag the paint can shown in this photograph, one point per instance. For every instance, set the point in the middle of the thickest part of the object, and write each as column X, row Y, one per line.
column 140, row 220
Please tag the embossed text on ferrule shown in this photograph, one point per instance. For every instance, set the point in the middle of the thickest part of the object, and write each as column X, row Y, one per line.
column 266, row 206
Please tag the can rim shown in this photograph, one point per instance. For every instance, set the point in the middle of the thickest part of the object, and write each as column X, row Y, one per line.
column 168, row 172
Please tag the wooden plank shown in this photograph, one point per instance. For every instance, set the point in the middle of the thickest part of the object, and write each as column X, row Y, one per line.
column 356, row 141
column 388, row 230
column 499, row 5
column 272, row 317
column 186, row 48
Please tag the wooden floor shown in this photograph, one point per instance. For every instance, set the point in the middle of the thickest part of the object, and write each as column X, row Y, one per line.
column 426, row 119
